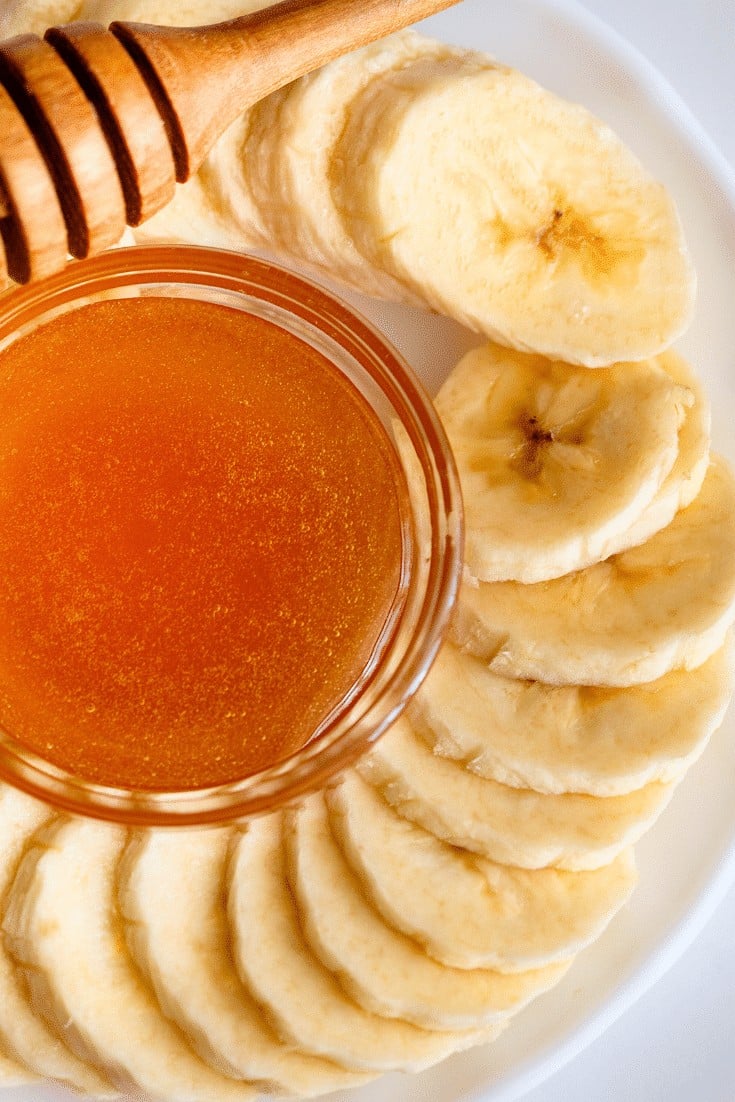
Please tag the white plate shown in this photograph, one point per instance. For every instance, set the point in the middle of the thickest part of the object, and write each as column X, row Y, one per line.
column 688, row 860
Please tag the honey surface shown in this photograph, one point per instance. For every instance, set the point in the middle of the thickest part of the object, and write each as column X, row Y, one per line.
column 199, row 541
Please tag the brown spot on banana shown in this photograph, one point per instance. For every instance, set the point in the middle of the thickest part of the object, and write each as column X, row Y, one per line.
column 528, row 458
column 568, row 235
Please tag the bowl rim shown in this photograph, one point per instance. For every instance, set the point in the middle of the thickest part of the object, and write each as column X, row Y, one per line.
column 399, row 672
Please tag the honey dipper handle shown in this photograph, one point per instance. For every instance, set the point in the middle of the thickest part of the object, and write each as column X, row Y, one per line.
column 203, row 77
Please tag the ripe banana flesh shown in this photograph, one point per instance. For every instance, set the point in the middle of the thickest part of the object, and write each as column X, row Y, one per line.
column 294, row 146
column 23, row 1041
column 382, row 969
column 167, row 874
column 513, row 211
column 556, row 462
column 62, row 924
column 36, row 16
column 663, row 606
column 275, row 962
column 570, row 738
column 512, row 826
column 25, row 825
column 465, row 911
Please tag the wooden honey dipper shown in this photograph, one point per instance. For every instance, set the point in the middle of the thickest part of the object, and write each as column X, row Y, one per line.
column 97, row 124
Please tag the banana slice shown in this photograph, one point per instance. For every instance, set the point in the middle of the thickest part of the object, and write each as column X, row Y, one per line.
column 513, row 211
column 686, row 477
column 255, row 172
column 23, row 1032
column 227, row 178
column 293, row 144
column 169, row 13
column 465, row 911
column 555, row 461
column 63, row 927
column 167, row 874
column 303, row 998
column 512, row 826
column 663, row 606
column 20, row 816
column 36, row 16
column 567, row 738
column 194, row 216
column 383, row 970
column 12, row 1074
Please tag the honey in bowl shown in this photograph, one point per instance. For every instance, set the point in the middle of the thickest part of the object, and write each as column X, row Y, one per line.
column 200, row 536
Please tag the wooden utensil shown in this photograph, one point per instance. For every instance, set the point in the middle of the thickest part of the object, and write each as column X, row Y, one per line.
column 97, row 125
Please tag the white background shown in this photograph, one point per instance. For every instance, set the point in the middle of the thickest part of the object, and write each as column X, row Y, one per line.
column 678, row 1043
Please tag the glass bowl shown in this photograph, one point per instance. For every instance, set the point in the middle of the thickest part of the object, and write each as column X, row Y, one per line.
column 431, row 525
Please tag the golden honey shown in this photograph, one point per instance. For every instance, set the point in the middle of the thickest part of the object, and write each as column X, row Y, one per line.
column 200, row 541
